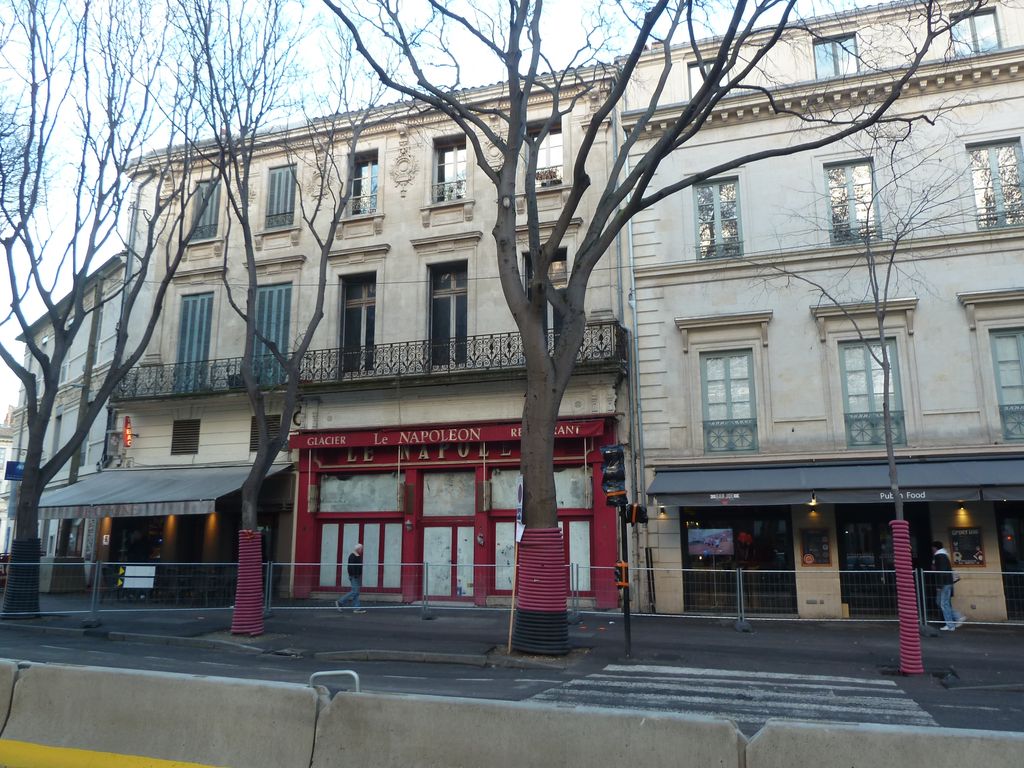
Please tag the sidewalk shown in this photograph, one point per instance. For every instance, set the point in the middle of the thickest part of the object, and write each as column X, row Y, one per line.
column 979, row 655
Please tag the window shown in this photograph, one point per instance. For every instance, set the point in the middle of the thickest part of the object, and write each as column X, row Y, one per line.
column 193, row 342
column 975, row 34
column 273, row 315
column 448, row 302
column 863, row 392
column 1008, row 356
column 727, row 388
column 851, row 202
column 450, row 171
column 998, row 194
column 359, row 300
column 281, row 197
column 549, row 158
column 364, row 185
column 559, row 277
column 273, row 430
column 718, row 220
column 184, row 436
column 207, row 209
column 695, row 76
column 836, row 57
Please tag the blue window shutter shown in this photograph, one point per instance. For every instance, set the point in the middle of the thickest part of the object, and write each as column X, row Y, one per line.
column 194, row 330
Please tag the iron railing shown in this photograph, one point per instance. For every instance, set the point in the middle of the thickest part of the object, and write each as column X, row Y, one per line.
column 1013, row 421
column 549, row 177
column 446, row 191
column 282, row 219
column 730, row 435
column 602, row 343
column 869, row 428
column 727, row 249
column 363, row 204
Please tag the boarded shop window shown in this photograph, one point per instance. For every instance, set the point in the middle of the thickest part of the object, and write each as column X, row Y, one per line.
column 359, row 493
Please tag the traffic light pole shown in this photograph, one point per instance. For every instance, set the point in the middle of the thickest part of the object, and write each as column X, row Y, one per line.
column 624, row 537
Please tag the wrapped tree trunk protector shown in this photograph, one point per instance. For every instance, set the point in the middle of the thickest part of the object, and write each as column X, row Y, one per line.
column 21, row 599
column 248, row 616
column 542, row 624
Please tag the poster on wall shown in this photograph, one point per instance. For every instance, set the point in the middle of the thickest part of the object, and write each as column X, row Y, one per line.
column 966, row 546
column 814, row 546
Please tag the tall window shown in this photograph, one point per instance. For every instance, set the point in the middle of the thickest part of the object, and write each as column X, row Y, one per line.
column 359, row 299
column 450, row 171
column 695, row 77
column 207, row 209
column 727, row 387
column 850, row 195
column 281, row 197
column 976, row 33
column 559, row 277
column 193, row 342
column 448, row 303
column 273, row 320
column 863, row 392
column 549, row 158
column 364, row 185
column 998, row 195
column 718, row 220
column 836, row 57
column 1008, row 356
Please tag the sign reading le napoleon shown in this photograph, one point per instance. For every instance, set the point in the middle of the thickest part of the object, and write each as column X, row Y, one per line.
column 436, row 435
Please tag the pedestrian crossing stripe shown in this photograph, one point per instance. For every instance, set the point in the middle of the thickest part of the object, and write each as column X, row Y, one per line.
column 23, row 754
column 739, row 673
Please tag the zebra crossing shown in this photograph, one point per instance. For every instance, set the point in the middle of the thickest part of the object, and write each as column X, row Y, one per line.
column 748, row 698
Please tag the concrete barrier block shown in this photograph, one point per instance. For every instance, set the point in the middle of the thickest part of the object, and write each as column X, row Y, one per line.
column 434, row 732
column 8, row 674
column 206, row 720
column 783, row 745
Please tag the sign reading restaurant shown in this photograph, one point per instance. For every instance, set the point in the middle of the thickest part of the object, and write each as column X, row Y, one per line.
column 480, row 433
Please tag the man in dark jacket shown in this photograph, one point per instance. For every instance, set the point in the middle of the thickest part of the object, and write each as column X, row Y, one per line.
column 355, row 578
column 944, row 587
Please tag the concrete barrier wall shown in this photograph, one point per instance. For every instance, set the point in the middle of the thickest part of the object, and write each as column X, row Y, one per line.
column 210, row 721
column 372, row 731
column 8, row 673
column 784, row 745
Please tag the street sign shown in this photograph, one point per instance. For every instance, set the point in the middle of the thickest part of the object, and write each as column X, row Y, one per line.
column 136, row 576
column 14, row 470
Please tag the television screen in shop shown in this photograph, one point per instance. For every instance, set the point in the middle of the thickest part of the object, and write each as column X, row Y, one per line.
column 710, row 541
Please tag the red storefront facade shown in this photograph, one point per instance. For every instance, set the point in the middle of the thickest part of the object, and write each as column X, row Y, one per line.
column 434, row 507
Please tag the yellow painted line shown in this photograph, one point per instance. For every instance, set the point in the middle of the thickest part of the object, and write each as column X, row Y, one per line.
column 22, row 754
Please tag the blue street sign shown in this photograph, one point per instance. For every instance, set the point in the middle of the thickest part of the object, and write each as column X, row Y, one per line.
column 15, row 470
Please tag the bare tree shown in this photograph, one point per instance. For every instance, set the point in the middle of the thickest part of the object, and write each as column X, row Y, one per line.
column 250, row 78
column 86, row 93
column 435, row 41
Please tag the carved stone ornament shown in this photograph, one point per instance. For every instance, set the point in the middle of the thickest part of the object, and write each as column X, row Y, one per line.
column 404, row 165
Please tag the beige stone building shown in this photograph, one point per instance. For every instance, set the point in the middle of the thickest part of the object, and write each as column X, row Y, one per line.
column 759, row 372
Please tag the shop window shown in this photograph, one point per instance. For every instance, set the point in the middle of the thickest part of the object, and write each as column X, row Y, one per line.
column 449, row 494
column 376, row 492
column 1008, row 357
column 727, row 387
column 185, row 436
column 863, row 392
column 572, row 488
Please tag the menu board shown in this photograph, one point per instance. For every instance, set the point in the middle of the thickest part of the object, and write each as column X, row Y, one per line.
column 815, row 548
column 966, row 546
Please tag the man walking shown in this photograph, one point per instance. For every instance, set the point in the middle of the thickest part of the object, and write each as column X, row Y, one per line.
column 355, row 578
column 944, row 587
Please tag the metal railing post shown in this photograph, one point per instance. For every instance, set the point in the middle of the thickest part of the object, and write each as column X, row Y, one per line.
column 267, row 597
column 94, row 601
column 425, row 603
column 742, row 625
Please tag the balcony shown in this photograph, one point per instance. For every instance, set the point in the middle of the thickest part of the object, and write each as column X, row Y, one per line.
column 730, row 435
column 604, row 349
column 868, row 429
column 449, row 191
column 363, row 205
column 1013, row 421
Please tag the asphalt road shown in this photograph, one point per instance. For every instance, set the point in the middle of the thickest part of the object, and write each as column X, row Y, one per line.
column 747, row 691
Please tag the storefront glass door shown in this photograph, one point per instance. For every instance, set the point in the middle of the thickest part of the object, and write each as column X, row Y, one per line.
column 448, row 576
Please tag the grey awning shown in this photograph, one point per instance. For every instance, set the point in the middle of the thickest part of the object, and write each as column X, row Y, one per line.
column 840, row 483
column 146, row 492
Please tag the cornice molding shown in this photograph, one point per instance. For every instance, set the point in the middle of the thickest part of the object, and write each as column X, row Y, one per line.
column 824, row 312
column 705, row 322
column 971, row 299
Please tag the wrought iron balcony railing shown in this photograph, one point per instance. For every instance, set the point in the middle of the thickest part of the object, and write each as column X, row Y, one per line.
column 602, row 343
column 278, row 220
column 869, row 429
column 727, row 249
column 447, row 191
column 1013, row 421
column 363, row 204
column 549, row 177
column 730, row 435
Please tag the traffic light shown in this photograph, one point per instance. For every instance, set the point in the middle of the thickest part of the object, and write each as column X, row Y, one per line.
column 613, row 475
column 621, row 574
column 636, row 513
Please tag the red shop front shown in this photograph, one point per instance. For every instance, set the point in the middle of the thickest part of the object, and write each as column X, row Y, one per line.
column 435, row 506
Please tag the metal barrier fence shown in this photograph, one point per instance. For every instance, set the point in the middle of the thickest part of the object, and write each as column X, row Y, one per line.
column 741, row 594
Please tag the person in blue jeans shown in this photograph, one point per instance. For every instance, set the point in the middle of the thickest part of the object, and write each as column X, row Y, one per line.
column 355, row 578
column 944, row 587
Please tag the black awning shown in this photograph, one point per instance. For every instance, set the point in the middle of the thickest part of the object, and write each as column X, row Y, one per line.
column 840, row 483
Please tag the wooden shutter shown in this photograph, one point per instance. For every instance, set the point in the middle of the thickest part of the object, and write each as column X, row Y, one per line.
column 185, row 436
